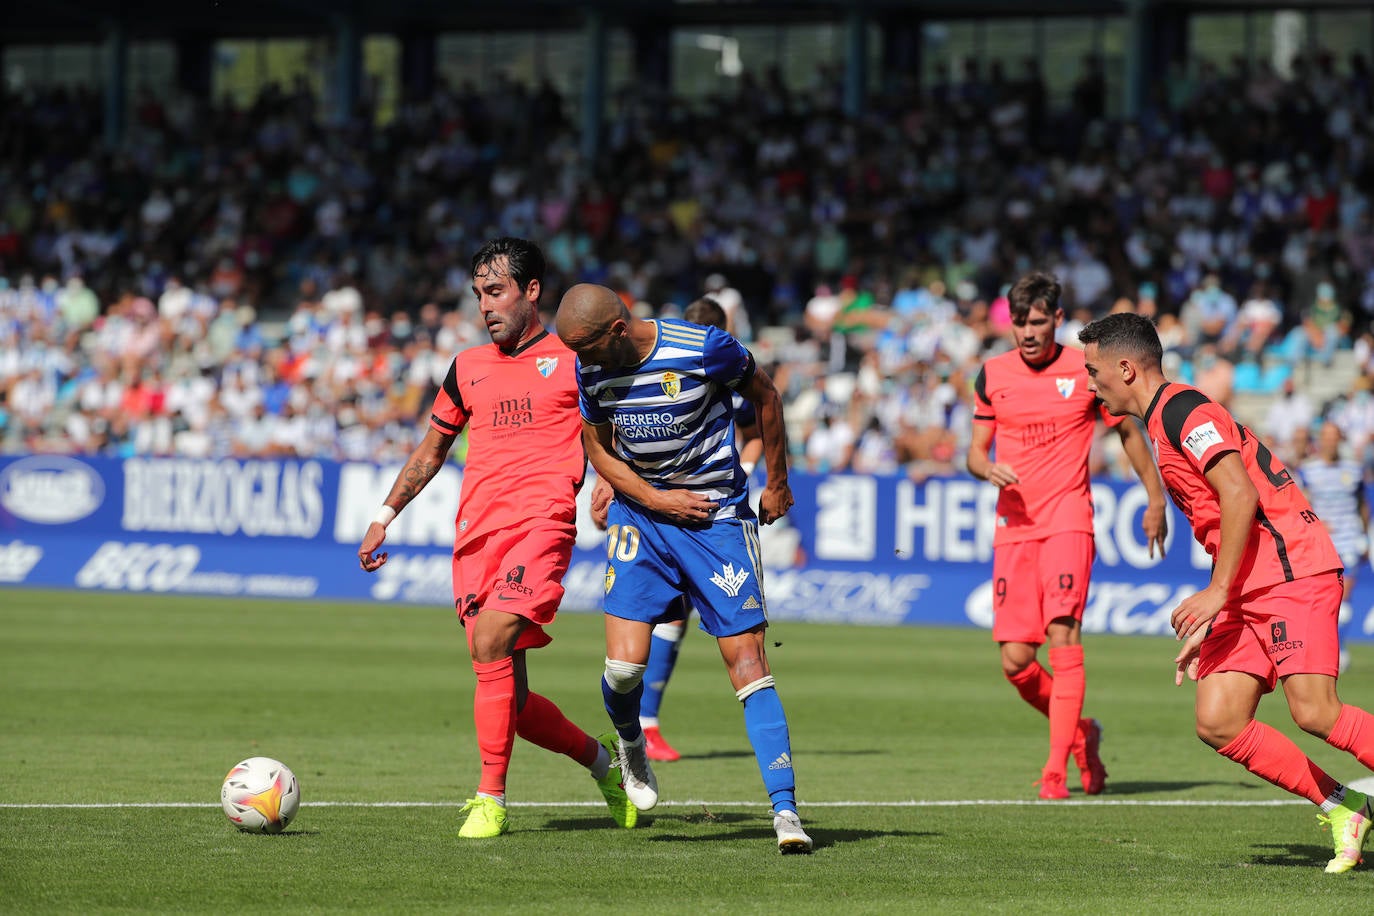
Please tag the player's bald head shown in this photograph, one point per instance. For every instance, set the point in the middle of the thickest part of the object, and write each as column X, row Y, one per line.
column 588, row 308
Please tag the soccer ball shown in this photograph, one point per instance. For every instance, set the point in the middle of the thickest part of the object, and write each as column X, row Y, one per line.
column 260, row 795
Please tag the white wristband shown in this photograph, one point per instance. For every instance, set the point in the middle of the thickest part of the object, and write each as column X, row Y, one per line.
column 385, row 515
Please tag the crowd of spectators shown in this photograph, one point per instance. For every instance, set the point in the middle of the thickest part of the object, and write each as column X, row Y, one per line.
column 257, row 281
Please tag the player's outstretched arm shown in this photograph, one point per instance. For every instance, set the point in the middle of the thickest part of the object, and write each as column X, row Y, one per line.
column 1155, row 522
column 429, row 456
column 776, row 497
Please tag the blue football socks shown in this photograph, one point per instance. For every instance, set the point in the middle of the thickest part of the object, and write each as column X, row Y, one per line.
column 623, row 708
column 766, row 724
column 662, row 660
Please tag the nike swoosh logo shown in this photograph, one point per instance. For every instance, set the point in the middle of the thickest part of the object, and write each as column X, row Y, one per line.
column 506, row 598
column 476, row 380
column 1280, row 661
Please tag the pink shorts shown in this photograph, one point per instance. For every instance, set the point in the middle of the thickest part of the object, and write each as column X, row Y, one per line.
column 1289, row 628
column 1035, row 582
column 518, row 571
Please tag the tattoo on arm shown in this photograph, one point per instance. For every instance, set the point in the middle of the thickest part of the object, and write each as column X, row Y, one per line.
column 413, row 479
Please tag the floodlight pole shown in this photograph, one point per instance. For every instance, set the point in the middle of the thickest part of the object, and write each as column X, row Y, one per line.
column 594, row 84
column 116, row 81
column 855, row 61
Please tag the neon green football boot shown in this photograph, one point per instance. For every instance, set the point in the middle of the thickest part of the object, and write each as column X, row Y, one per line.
column 486, row 819
column 1349, row 828
column 612, row 786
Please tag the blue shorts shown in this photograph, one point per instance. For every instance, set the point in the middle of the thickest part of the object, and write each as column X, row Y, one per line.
column 650, row 563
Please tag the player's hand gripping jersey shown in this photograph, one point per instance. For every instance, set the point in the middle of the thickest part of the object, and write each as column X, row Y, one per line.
column 1189, row 432
column 673, row 415
column 525, row 456
column 1043, row 419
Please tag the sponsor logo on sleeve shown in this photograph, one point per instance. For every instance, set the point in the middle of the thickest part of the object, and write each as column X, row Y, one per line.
column 1201, row 438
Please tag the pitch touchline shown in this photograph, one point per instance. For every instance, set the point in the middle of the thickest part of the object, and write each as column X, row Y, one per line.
column 950, row 803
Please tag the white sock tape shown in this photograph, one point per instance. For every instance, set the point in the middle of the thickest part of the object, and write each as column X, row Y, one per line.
column 623, row 676
column 754, row 687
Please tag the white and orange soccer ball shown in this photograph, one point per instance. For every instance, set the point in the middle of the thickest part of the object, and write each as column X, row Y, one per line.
column 260, row 795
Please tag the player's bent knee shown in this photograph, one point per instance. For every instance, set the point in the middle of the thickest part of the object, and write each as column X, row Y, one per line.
column 1017, row 657
column 1217, row 734
column 754, row 687
column 489, row 647
column 623, row 676
column 1015, row 665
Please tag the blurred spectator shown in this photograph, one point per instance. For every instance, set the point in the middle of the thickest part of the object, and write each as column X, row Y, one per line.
column 1297, row 449
column 1256, row 322
column 1322, row 330
column 736, row 314
column 1209, row 312
column 1289, row 414
column 875, row 452
column 1354, row 414
column 308, row 279
column 1213, row 374
column 829, row 443
column 77, row 303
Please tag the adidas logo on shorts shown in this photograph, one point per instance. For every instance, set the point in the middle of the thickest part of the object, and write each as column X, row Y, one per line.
column 751, row 603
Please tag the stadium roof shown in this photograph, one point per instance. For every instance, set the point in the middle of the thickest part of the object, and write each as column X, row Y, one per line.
column 59, row 20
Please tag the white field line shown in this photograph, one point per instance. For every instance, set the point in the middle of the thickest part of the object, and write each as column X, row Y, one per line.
column 701, row 803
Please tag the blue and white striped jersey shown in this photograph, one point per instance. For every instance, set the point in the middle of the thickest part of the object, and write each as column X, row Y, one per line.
column 1334, row 490
column 673, row 415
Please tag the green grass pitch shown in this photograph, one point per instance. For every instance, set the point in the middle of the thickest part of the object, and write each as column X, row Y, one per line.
column 915, row 762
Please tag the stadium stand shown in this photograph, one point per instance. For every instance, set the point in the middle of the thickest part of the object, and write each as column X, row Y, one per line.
column 267, row 279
